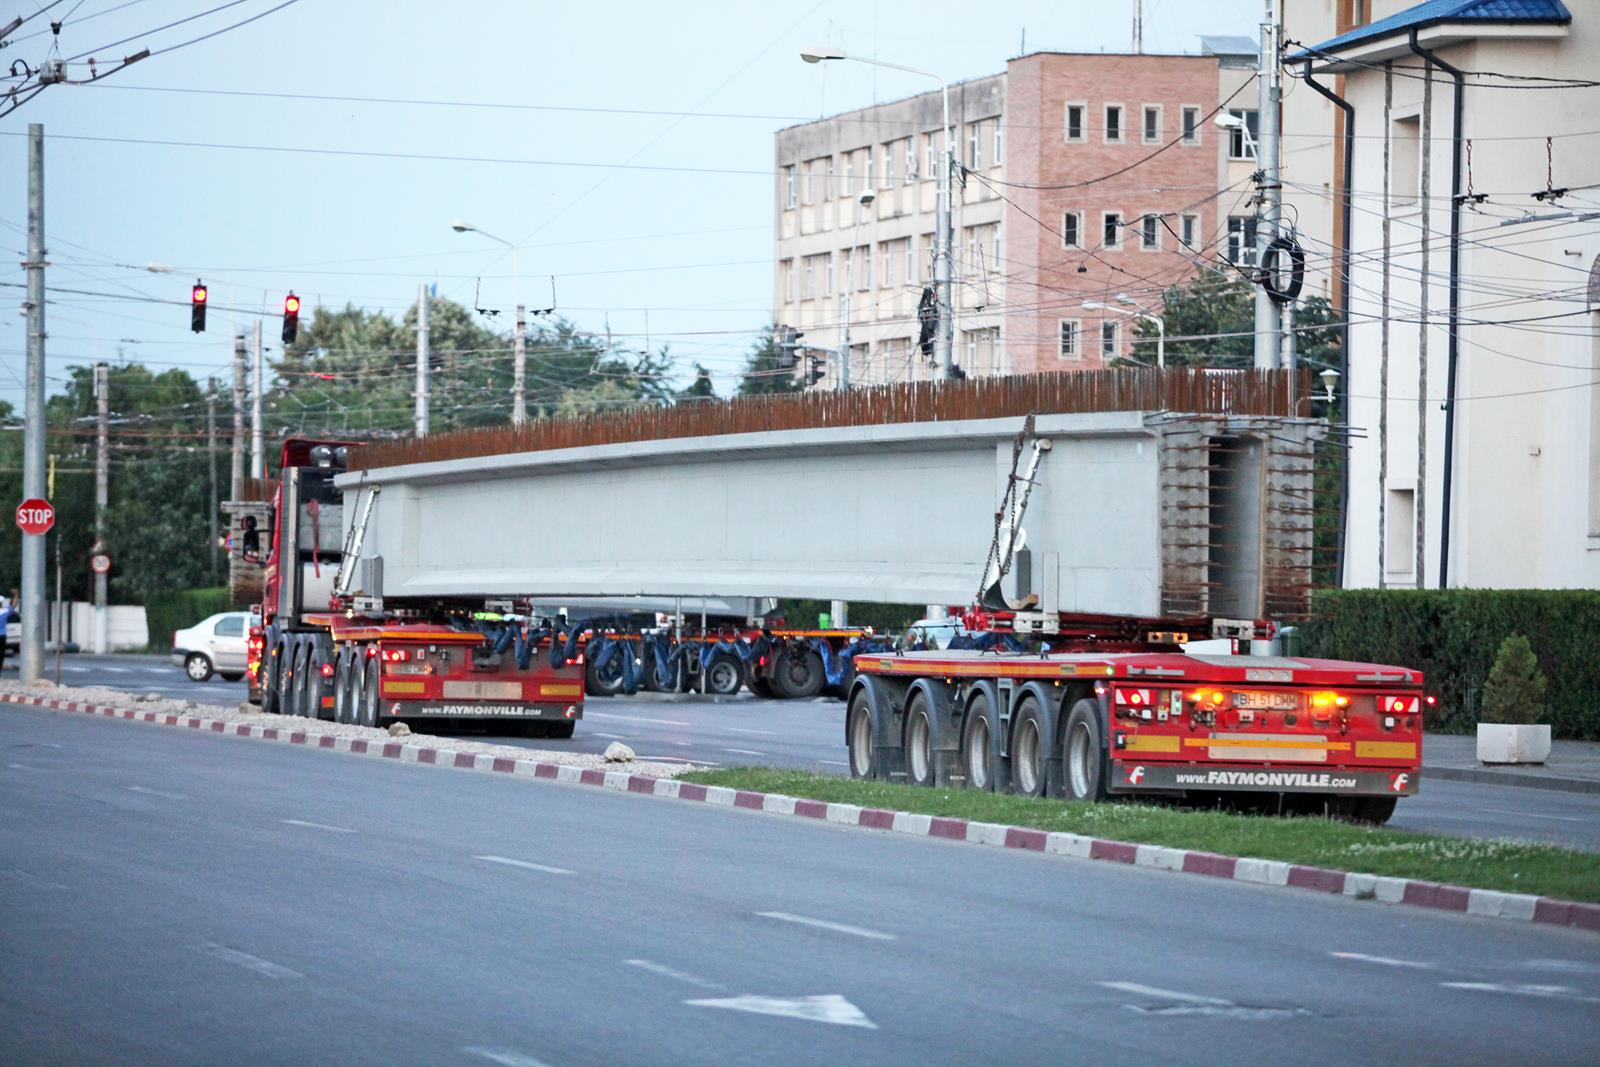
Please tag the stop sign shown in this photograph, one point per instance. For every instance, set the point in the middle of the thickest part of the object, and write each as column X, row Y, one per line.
column 35, row 516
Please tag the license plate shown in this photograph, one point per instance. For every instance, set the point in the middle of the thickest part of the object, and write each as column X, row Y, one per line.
column 1267, row 701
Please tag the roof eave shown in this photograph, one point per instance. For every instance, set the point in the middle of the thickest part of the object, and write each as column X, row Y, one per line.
column 1441, row 34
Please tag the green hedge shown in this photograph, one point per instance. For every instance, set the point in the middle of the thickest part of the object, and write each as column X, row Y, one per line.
column 180, row 610
column 883, row 618
column 1452, row 635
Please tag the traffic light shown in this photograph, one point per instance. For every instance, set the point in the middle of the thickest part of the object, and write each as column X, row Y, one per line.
column 818, row 369
column 197, row 306
column 788, row 345
column 291, row 317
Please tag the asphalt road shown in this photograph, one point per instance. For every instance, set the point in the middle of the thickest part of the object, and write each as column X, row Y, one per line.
column 809, row 735
column 171, row 897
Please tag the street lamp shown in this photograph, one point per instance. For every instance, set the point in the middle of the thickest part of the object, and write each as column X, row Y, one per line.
column 865, row 200
column 1136, row 313
column 944, row 340
column 1227, row 120
column 519, row 400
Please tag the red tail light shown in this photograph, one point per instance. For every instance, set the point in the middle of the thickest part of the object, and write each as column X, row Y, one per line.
column 396, row 655
column 327, row 670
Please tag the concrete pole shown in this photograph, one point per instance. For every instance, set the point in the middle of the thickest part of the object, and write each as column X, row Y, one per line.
column 1290, row 354
column 944, row 339
column 422, row 361
column 258, row 453
column 1269, row 211
column 102, row 485
column 33, row 439
column 236, row 485
column 1383, row 344
column 839, row 612
column 1425, row 193
column 211, row 467
column 519, row 370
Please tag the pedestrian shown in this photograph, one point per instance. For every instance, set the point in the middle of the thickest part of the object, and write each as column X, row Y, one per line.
column 8, row 615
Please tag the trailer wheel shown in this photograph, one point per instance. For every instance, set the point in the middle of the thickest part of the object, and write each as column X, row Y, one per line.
column 288, row 674
column 858, row 736
column 724, row 674
column 1029, row 751
column 797, row 674
column 370, row 710
column 760, row 687
column 977, row 745
column 1373, row 810
column 1085, row 754
column 919, row 742
column 342, row 711
column 306, row 689
column 270, row 670
column 561, row 731
column 603, row 681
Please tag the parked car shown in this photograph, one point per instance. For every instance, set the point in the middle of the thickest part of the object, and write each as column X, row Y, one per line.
column 216, row 645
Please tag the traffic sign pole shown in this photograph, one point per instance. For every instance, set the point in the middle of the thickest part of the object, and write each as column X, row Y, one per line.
column 33, row 439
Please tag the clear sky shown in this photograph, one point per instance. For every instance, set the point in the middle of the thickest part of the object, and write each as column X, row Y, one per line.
column 658, row 225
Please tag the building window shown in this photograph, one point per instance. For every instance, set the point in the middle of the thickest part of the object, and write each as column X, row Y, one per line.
column 1405, row 183
column 1191, row 125
column 999, row 143
column 1068, row 340
column 886, row 254
column 1074, row 128
column 1150, row 233
column 1190, row 230
column 1152, row 123
column 911, row 259
column 911, row 159
column 1071, row 223
column 1240, row 147
column 810, row 290
column 1241, row 240
column 1111, row 230
column 829, row 258
column 1108, row 339
column 886, row 180
column 865, row 254
column 931, row 140
column 1400, row 539
column 791, row 190
column 927, row 257
column 974, row 145
column 786, row 268
column 1114, row 123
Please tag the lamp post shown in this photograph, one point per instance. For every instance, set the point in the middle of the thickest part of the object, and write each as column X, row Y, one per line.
column 519, row 352
column 865, row 200
column 944, row 338
column 1136, row 313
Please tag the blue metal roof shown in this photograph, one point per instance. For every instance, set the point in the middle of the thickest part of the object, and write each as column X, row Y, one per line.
column 1436, row 11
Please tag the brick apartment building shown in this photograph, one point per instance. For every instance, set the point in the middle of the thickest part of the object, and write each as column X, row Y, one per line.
column 1043, row 221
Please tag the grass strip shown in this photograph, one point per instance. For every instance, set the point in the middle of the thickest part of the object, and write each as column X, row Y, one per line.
column 1506, row 865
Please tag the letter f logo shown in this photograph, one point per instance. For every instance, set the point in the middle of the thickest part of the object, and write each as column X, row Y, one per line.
column 1398, row 785
column 1135, row 775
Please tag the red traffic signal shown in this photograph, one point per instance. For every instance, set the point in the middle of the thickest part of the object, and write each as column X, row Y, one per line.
column 197, row 306
column 291, row 318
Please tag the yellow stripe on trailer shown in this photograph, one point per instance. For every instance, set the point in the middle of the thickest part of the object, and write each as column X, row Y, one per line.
column 1152, row 743
column 1315, row 744
column 560, row 690
column 402, row 688
column 1386, row 749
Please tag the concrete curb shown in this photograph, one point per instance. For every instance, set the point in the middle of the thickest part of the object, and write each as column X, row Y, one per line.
column 1487, row 903
column 1512, row 778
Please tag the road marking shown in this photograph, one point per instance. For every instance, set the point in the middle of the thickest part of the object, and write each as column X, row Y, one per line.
column 524, row 864
column 1382, row 961
column 1166, row 994
column 678, row 759
column 670, row 972
column 829, row 1008
column 317, row 826
column 608, row 737
column 31, row 879
column 744, row 752
column 503, row 1056
column 245, row 960
column 25, row 767
column 117, row 670
column 1554, row 992
column 834, row 762
column 1568, row 966
column 155, row 792
column 824, row 924
column 759, row 733
column 634, row 718
column 1534, row 815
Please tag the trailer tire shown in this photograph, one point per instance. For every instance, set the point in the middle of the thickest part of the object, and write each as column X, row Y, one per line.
column 561, row 731
column 1030, row 749
column 1374, row 811
column 370, row 710
column 270, row 703
column 760, row 687
column 288, row 675
column 978, row 733
column 797, row 673
column 918, row 744
column 724, row 674
column 652, row 682
column 231, row 676
column 603, row 681
column 859, row 736
column 306, row 689
column 343, row 712
column 1084, row 754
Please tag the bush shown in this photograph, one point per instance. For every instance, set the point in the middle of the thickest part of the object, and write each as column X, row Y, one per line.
column 178, row 610
column 1515, row 690
column 1453, row 635
column 883, row 618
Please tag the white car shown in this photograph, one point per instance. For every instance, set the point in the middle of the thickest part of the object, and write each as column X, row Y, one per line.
column 218, row 644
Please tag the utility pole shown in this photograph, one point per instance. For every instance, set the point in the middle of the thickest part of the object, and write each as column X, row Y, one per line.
column 236, row 486
column 944, row 340
column 422, row 361
column 1138, row 26
column 519, row 369
column 1269, row 188
column 33, row 438
column 258, row 454
column 102, row 485
column 211, row 464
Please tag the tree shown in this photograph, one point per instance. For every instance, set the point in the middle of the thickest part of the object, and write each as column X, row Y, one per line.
column 762, row 372
column 1210, row 322
column 701, row 389
column 1514, row 691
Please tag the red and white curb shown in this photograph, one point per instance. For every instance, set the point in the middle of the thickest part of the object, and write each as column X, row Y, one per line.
column 1488, row 903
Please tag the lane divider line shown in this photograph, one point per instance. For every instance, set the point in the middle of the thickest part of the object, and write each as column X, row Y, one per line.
column 1485, row 903
column 524, row 864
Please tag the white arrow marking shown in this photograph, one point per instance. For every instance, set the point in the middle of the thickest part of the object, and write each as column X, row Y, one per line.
column 1165, row 994
column 156, row 792
column 824, row 924
column 1382, row 961
column 1558, row 992
column 317, row 826
column 829, row 1008
column 524, row 864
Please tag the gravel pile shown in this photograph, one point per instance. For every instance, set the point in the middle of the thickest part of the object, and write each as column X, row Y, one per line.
column 316, row 728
